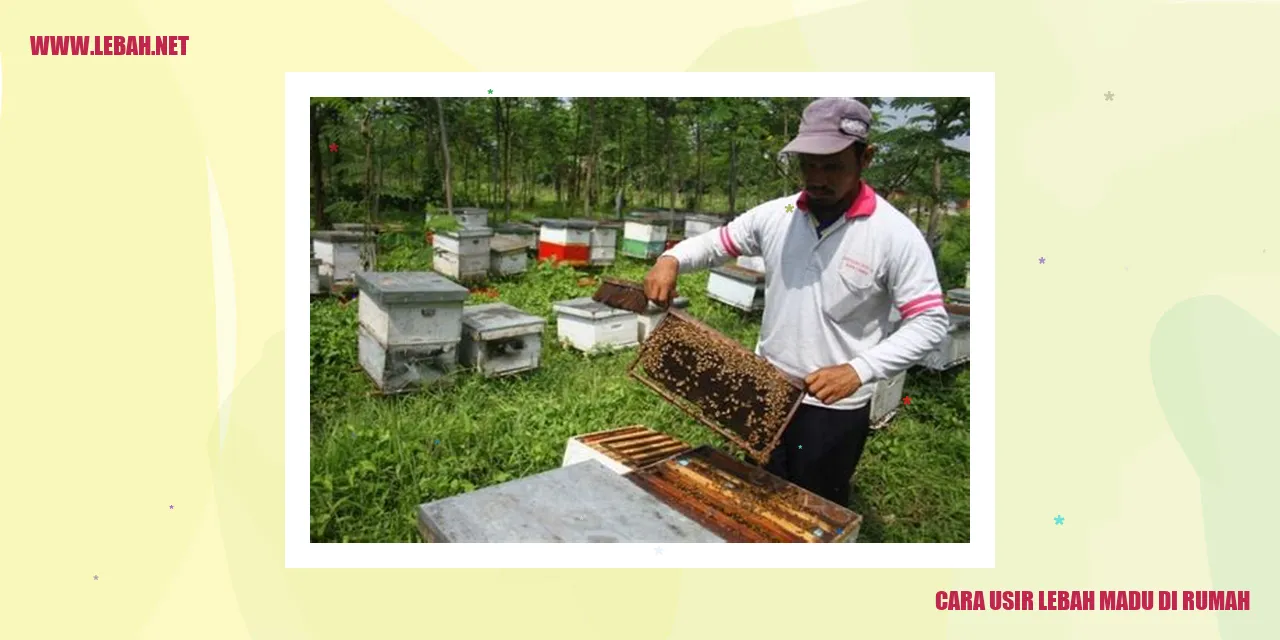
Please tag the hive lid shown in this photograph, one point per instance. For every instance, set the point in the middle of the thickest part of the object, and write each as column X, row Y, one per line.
column 740, row 274
column 337, row 236
column 959, row 295
column 467, row 234
column 357, row 227
column 516, row 228
column 744, row 503
column 572, row 223
column 507, row 244
column 497, row 316
column 588, row 308
column 704, row 217
column 718, row 382
column 609, row 224
column 407, row 287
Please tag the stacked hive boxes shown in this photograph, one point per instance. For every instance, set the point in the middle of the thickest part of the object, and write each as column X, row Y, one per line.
column 567, row 241
column 509, row 255
column 463, row 254
column 644, row 237
column 499, row 339
column 339, row 254
column 410, row 327
column 699, row 223
column 472, row 218
column 604, row 244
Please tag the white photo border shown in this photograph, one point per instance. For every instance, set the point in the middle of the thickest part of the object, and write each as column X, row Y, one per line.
column 300, row 552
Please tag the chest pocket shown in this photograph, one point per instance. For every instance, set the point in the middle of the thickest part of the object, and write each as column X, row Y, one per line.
column 848, row 284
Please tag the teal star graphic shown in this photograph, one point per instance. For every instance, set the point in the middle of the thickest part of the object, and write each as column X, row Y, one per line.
column 1058, row 520
column 491, row 92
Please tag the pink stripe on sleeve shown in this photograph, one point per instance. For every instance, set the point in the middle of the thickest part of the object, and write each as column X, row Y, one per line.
column 923, row 303
column 727, row 242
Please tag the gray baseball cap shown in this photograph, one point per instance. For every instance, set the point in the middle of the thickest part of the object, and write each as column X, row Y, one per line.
column 829, row 125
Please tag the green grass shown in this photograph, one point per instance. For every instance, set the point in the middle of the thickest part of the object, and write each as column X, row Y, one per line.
column 375, row 459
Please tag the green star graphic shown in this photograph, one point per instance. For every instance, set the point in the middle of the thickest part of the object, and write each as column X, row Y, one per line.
column 791, row 208
column 491, row 92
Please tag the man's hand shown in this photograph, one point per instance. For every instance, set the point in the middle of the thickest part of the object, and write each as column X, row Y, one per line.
column 660, row 282
column 832, row 384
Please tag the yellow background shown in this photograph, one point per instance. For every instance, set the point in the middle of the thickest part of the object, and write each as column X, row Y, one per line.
column 1128, row 401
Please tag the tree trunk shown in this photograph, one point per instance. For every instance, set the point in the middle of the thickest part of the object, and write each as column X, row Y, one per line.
column 697, row 137
column 671, row 152
column 367, row 258
column 444, row 147
column 936, row 214
column 317, row 169
column 733, row 175
column 591, row 159
column 506, row 158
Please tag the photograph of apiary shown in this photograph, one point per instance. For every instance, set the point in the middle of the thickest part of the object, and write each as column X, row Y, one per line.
column 649, row 320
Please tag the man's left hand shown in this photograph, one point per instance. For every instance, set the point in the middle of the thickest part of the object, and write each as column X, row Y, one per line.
column 832, row 384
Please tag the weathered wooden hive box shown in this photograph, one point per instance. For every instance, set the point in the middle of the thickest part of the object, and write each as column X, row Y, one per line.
column 583, row 502
column 462, row 254
column 622, row 450
column 718, row 382
column 886, row 400
column 339, row 254
column 700, row 223
column 589, row 326
column 472, row 217
column 410, row 327
column 743, row 503
column 499, row 339
column 317, row 287
column 508, row 255
column 604, row 244
column 646, row 322
column 527, row 233
column 644, row 237
column 736, row 287
column 954, row 349
column 567, row 241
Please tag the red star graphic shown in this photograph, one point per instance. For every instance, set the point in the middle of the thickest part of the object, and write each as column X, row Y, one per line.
column 333, row 147
column 906, row 400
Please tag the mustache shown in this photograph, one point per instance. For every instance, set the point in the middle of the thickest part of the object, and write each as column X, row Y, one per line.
column 817, row 191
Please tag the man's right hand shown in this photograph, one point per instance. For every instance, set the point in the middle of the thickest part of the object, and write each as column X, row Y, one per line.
column 660, row 282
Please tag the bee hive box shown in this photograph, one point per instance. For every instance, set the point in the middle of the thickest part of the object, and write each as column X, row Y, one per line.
column 648, row 321
column 508, row 255
column 742, row 503
column 588, row 325
column 471, row 217
column 886, row 400
column 958, row 296
column 567, row 241
column 499, row 339
column 410, row 327
column 604, row 244
column 583, row 502
column 462, row 254
column 339, row 254
column 698, row 224
column 527, row 233
column 954, row 349
column 622, row 450
column 718, row 382
column 316, row 287
column 644, row 238
column 736, row 287
column 753, row 263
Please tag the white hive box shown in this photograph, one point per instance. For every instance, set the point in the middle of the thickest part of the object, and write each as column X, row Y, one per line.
column 588, row 325
column 622, row 450
column 604, row 244
column 471, row 217
column 954, row 349
column 698, row 224
column 508, row 255
column 339, row 254
column 567, row 241
column 410, row 327
column 754, row 263
column 958, row 296
column 462, row 254
column 966, row 274
column 644, row 238
column 886, row 399
column 316, row 287
column 526, row 232
column 736, row 287
column 646, row 322
column 499, row 339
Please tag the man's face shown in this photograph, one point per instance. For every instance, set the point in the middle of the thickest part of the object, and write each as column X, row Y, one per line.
column 830, row 179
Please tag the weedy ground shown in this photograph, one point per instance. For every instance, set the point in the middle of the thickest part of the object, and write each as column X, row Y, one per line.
column 375, row 459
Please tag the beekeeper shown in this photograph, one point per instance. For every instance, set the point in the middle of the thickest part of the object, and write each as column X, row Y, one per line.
column 838, row 258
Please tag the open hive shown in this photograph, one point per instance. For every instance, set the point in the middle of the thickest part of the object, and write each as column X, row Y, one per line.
column 742, row 503
column 718, row 382
column 624, row 449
